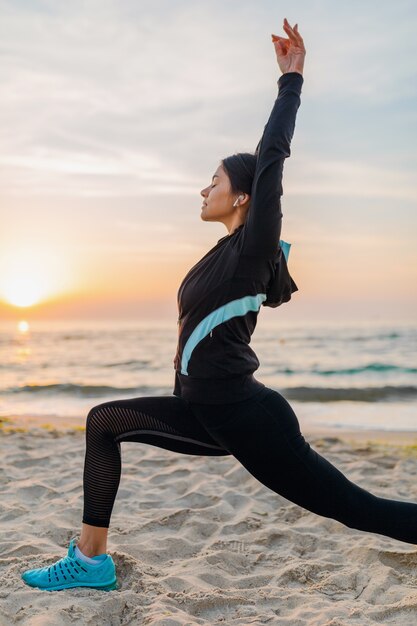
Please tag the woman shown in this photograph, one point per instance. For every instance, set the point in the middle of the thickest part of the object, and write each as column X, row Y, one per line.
column 218, row 407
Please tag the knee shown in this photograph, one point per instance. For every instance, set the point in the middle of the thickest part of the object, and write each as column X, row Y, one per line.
column 358, row 508
column 96, row 417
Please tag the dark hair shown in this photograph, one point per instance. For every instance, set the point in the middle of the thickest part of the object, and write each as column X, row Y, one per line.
column 240, row 168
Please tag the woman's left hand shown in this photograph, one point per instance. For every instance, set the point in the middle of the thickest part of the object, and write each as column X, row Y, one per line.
column 290, row 52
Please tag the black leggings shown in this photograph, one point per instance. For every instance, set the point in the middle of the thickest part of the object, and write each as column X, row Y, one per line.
column 263, row 433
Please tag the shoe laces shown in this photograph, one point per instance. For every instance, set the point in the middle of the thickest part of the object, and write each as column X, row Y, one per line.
column 64, row 568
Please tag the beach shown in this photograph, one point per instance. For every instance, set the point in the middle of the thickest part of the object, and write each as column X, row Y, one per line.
column 155, row 230
column 198, row 540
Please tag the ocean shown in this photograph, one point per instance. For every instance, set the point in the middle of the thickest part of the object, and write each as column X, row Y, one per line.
column 335, row 375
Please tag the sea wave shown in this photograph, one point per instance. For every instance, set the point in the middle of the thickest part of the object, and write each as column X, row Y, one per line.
column 300, row 393
column 84, row 391
column 353, row 394
column 370, row 367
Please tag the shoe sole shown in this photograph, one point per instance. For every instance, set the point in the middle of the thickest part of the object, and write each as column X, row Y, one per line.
column 102, row 586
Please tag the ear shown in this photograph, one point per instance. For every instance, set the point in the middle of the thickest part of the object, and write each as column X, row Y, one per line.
column 242, row 198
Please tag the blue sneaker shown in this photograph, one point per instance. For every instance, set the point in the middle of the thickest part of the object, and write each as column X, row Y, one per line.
column 71, row 572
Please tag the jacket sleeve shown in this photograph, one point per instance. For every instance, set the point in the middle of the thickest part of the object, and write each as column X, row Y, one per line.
column 263, row 222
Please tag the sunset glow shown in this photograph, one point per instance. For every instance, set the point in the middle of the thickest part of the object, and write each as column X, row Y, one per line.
column 100, row 191
column 31, row 275
column 24, row 290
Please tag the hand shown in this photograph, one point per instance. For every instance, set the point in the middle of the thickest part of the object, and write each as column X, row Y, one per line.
column 290, row 52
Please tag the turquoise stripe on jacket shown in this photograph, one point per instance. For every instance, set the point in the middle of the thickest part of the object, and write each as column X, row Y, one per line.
column 241, row 306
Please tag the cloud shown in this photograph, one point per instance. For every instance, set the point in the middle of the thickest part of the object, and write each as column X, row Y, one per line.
column 145, row 97
column 346, row 178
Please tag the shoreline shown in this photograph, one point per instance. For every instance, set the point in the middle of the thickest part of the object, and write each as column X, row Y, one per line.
column 63, row 425
column 358, row 436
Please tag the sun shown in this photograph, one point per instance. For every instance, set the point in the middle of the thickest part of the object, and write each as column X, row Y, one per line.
column 31, row 275
column 24, row 291
column 26, row 283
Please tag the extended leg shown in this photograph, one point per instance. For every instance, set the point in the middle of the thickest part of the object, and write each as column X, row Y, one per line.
column 264, row 435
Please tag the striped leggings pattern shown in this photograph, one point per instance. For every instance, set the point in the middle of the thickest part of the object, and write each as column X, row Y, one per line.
column 162, row 421
column 262, row 433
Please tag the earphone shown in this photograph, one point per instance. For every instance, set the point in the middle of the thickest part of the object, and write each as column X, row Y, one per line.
column 237, row 200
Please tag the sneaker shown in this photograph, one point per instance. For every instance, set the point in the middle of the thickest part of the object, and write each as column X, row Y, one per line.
column 71, row 572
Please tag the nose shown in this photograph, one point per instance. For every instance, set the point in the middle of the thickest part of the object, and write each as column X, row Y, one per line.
column 203, row 192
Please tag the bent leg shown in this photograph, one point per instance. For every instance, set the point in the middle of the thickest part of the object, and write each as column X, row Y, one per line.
column 163, row 421
column 264, row 435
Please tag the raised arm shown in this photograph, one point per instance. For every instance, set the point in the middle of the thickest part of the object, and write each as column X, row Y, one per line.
column 263, row 222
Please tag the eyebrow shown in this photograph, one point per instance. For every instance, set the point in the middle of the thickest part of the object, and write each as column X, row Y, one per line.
column 215, row 176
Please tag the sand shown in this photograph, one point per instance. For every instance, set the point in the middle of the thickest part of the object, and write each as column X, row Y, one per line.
column 198, row 540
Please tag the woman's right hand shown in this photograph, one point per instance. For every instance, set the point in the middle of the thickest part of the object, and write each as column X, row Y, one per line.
column 290, row 51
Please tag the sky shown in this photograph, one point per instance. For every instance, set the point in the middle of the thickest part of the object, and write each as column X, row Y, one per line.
column 115, row 114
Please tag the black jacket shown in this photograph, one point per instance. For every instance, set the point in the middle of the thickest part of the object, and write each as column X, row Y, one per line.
column 220, row 297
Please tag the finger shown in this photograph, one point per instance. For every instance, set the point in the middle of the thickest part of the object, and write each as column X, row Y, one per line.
column 281, row 42
column 291, row 34
column 296, row 39
column 289, row 30
column 297, row 33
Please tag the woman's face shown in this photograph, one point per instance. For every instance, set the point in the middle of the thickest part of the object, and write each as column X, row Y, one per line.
column 218, row 200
